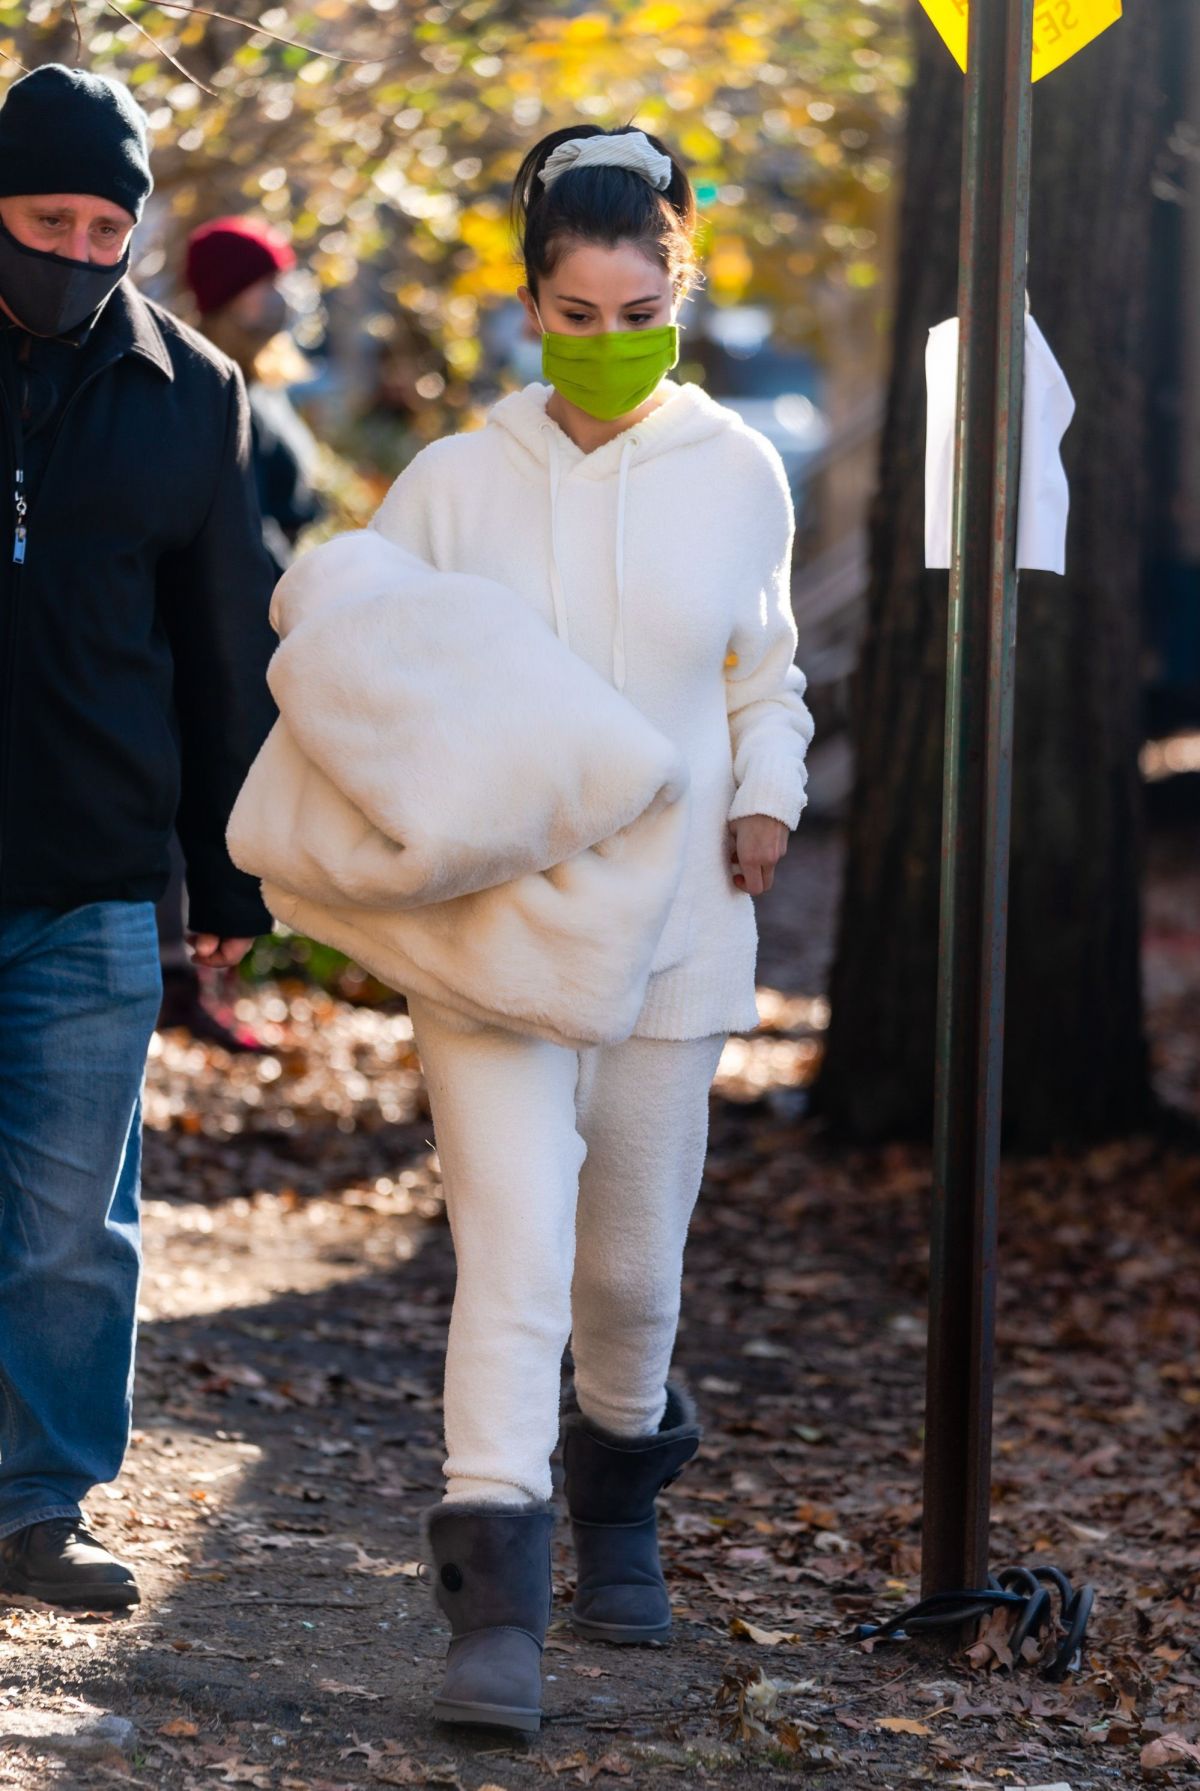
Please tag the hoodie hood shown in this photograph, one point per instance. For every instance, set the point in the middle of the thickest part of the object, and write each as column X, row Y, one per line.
column 687, row 415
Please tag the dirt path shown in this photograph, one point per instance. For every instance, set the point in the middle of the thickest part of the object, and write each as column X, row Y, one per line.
column 297, row 1290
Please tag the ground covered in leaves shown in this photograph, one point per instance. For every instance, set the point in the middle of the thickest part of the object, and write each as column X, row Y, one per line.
column 298, row 1283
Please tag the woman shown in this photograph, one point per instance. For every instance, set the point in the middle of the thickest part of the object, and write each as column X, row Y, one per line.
column 652, row 530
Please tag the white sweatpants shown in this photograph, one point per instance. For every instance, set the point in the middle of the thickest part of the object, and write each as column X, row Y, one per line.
column 570, row 1178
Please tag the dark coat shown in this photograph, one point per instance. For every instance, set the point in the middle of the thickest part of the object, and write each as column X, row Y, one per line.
column 134, row 637
column 285, row 497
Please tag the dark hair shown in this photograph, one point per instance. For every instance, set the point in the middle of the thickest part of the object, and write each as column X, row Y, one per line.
column 603, row 205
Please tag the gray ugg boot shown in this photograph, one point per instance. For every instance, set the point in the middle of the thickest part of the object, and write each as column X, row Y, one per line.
column 492, row 1580
column 611, row 1484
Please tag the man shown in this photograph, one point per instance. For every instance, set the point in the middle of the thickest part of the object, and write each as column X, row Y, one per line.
column 233, row 267
column 133, row 645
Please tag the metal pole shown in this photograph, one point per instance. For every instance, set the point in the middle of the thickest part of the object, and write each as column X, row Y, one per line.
column 976, row 796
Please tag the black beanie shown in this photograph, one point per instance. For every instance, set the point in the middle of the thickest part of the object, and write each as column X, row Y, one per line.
column 63, row 130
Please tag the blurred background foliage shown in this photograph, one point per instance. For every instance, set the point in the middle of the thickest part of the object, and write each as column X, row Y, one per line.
column 382, row 136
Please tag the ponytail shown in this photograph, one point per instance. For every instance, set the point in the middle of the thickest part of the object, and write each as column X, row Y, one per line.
column 602, row 204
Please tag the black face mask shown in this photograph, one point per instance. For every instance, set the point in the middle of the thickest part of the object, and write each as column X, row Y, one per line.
column 47, row 293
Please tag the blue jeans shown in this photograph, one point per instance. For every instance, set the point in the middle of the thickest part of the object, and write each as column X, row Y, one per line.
column 79, row 995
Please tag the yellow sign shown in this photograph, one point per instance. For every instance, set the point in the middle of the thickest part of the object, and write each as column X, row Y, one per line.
column 1060, row 27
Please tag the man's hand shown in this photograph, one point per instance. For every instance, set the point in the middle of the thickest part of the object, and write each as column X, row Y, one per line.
column 215, row 953
column 758, row 844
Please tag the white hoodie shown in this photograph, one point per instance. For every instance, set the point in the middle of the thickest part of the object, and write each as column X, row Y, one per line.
column 663, row 560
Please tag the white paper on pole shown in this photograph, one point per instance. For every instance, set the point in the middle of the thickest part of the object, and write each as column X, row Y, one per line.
column 1043, row 498
column 941, row 387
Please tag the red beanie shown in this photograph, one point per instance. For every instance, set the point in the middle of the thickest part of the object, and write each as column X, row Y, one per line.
column 229, row 254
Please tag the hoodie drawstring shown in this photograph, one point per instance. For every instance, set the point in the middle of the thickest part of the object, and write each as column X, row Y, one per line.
column 561, row 624
column 558, row 591
column 618, row 649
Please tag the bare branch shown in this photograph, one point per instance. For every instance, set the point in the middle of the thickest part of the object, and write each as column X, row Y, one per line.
column 256, row 30
column 161, row 49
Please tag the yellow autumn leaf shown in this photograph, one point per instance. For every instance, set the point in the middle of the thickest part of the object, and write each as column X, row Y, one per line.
column 729, row 267
column 699, row 144
column 743, row 49
column 589, row 27
column 903, row 1725
column 659, row 17
column 485, row 229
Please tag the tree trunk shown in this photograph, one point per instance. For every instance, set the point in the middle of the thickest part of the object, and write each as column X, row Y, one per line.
column 1075, row 1054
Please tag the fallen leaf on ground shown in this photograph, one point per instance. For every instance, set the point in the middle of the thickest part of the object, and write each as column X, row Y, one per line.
column 612, row 1763
column 765, row 1638
column 378, row 1566
column 347, row 1691
column 903, row 1725
column 990, row 1649
column 292, row 1236
column 243, row 1772
column 1170, row 1749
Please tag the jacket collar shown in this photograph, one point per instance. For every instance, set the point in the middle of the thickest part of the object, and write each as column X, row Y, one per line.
column 127, row 325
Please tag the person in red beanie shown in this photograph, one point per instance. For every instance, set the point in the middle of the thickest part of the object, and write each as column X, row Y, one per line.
column 232, row 269
column 228, row 258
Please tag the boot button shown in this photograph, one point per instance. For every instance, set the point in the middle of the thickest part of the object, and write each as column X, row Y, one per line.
column 452, row 1577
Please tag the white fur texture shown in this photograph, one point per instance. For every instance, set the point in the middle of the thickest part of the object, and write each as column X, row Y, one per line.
column 380, row 814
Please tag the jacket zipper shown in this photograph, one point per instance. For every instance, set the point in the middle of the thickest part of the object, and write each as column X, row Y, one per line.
column 23, row 505
column 20, row 507
column 8, row 619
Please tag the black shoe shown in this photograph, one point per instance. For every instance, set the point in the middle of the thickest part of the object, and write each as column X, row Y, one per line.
column 60, row 1562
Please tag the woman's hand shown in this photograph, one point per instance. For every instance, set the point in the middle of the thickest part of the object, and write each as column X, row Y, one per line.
column 758, row 844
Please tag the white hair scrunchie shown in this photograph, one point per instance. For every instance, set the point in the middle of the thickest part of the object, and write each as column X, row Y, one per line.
column 628, row 149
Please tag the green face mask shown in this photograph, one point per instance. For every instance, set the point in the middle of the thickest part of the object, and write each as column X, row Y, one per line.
column 610, row 375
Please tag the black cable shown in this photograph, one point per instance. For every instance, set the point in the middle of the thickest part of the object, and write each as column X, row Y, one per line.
column 1028, row 1591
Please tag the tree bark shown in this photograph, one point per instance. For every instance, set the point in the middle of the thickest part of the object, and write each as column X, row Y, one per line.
column 1075, row 1060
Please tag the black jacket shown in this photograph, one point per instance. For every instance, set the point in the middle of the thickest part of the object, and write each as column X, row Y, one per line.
column 134, row 636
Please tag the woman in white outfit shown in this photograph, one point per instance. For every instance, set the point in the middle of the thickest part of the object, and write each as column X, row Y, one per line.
column 652, row 530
